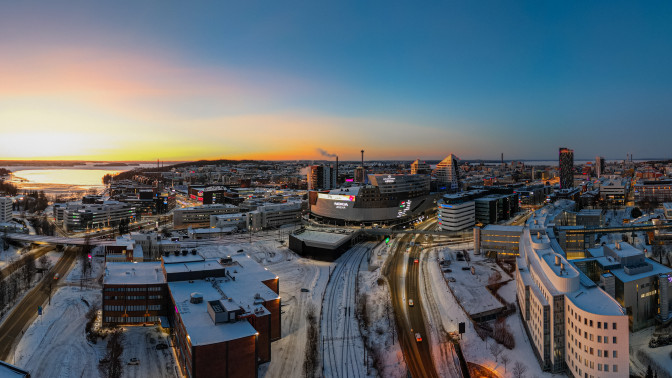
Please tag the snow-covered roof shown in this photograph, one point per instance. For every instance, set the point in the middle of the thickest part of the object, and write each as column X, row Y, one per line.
column 322, row 239
column 198, row 323
column 129, row 273
column 193, row 266
column 172, row 259
column 502, row 228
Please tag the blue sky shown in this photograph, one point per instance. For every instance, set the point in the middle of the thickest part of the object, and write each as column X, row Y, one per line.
column 281, row 79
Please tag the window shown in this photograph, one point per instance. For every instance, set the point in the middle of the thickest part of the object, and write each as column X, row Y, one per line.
column 615, row 369
column 606, row 353
column 606, row 367
column 599, row 367
column 614, row 341
column 585, row 321
column 606, row 325
column 591, row 351
column 613, row 326
column 599, row 325
column 599, row 353
column 599, row 339
column 606, row 339
column 614, row 354
column 591, row 323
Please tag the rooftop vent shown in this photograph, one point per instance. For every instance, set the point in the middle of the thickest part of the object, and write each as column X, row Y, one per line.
column 193, row 251
column 196, row 298
column 177, row 252
column 185, row 252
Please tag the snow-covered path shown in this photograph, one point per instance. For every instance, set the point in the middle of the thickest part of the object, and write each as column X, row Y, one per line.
column 443, row 352
column 342, row 346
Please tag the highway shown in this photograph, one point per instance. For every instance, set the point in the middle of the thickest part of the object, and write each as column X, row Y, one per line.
column 23, row 313
column 402, row 273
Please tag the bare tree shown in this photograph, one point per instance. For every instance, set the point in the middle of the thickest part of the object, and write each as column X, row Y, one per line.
column 45, row 263
column 505, row 360
column 496, row 350
column 519, row 370
column 115, row 348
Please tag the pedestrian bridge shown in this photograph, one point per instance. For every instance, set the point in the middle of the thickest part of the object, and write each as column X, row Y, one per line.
column 59, row 240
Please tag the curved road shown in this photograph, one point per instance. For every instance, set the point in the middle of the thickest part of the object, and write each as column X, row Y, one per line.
column 402, row 273
column 23, row 313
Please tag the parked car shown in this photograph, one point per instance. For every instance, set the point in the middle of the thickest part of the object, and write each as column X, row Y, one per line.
column 134, row 361
column 161, row 346
column 304, row 290
column 410, row 303
column 418, row 338
column 415, row 261
column 451, row 279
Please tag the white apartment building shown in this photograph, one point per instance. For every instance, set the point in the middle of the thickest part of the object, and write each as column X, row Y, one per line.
column 5, row 209
column 574, row 326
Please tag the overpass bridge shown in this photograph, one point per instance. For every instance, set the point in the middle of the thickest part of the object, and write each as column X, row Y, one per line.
column 57, row 240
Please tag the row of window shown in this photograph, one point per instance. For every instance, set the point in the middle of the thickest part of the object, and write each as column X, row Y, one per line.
column 124, row 297
column 600, row 325
column 131, row 319
column 132, row 308
column 589, row 336
column 134, row 289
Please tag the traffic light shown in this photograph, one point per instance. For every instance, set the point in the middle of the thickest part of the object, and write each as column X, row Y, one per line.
column 387, row 240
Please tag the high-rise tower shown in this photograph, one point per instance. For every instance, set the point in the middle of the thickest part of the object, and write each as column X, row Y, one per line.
column 447, row 173
column 566, row 166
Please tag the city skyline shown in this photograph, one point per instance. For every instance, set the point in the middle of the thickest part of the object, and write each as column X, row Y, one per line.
column 130, row 82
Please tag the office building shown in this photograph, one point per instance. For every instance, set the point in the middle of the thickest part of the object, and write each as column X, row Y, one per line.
column 447, row 174
column 199, row 216
column 566, row 168
column 133, row 293
column 457, row 211
column 653, row 190
column 615, row 190
column 420, row 168
column 497, row 241
column 274, row 215
column 79, row 217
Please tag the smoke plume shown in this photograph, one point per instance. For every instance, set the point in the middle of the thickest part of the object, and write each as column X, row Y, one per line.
column 325, row 153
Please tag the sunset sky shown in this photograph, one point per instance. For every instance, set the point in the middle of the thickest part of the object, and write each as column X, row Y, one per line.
column 130, row 80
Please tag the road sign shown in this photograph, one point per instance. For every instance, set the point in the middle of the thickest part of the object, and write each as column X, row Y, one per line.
column 39, row 310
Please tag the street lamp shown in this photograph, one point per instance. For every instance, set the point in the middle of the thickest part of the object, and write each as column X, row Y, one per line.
column 51, row 283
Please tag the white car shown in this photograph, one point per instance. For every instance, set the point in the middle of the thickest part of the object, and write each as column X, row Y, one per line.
column 410, row 303
column 134, row 361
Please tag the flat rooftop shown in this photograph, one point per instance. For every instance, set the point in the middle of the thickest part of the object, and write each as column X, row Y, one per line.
column 502, row 228
column 329, row 239
column 198, row 323
column 128, row 273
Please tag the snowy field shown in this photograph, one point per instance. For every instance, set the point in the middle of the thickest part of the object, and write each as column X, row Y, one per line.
column 476, row 350
column 55, row 344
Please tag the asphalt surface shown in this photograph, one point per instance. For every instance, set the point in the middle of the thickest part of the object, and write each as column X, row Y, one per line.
column 23, row 313
column 403, row 274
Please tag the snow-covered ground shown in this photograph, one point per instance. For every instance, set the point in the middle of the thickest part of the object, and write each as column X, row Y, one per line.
column 295, row 273
column 9, row 256
column 97, row 268
column 55, row 344
column 641, row 356
column 476, row 350
column 381, row 333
